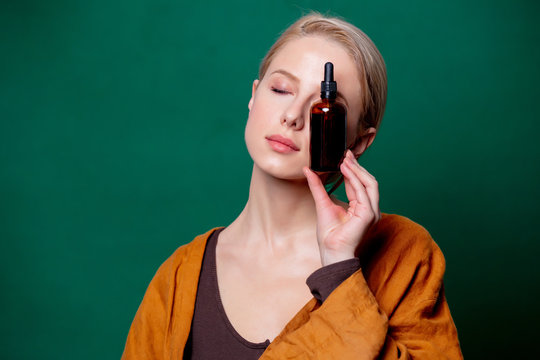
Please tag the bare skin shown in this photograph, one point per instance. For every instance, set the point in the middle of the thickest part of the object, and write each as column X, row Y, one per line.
column 262, row 292
column 290, row 227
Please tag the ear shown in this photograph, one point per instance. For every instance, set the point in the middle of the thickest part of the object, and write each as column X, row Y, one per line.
column 253, row 89
column 363, row 142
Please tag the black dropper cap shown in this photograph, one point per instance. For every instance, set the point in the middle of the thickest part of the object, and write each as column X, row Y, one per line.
column 328, row 86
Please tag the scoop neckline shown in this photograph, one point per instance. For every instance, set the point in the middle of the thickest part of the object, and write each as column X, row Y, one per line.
column 221, row 308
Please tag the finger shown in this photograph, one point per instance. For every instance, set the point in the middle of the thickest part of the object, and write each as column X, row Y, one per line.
column 350, row 155
column 368, row 180
column 317, row 189
column 349, row 189
column 363, row 207
column 359, row 190
column 369, row 184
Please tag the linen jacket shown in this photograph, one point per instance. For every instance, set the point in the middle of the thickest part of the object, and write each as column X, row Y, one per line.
column 394, row 307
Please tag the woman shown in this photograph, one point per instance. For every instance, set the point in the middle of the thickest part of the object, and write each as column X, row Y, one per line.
column 374, row 282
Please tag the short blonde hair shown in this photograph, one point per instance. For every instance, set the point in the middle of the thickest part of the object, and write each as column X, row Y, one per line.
column 369, row 62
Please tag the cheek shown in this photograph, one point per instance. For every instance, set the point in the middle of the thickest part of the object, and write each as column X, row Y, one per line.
column 352, row 132
column 256, row 114
column 254, row 131
column 260, row 119
column 254, row 121
column 248, row 132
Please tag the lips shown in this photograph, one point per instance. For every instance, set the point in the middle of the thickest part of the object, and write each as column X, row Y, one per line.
column 283, row 140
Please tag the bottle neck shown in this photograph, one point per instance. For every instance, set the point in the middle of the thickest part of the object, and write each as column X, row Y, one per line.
column 328, row 95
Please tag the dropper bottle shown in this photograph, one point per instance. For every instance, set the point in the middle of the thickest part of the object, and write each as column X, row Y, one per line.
column 328, row 127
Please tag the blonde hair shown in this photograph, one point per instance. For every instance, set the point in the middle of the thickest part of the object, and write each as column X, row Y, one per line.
column 369, row 62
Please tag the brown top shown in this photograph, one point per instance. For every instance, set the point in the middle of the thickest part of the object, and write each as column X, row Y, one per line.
column 213, row 335
column 392, row 308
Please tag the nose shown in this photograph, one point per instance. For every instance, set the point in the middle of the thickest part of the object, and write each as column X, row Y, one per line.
column 294, row 116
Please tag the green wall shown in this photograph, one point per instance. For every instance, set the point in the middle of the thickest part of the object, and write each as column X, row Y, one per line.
column 121, row 138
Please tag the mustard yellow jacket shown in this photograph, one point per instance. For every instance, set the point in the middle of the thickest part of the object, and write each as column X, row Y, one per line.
column 394, row 307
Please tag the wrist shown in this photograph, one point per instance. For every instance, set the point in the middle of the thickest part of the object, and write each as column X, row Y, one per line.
column 328, row 258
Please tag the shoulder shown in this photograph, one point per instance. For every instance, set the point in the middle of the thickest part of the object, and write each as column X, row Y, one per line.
column 396, row 238
column 400, row 257
column 179, row 272
column 188, row 256
column 175, row 279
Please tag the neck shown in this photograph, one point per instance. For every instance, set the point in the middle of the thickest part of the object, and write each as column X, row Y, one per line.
column 280, row 212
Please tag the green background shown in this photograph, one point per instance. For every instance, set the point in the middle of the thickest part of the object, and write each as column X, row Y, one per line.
column 121, row 138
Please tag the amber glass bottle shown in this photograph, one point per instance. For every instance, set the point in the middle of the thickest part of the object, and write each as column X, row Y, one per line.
column 328, row 127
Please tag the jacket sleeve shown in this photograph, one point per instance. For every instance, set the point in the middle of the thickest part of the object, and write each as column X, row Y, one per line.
column 405, row 316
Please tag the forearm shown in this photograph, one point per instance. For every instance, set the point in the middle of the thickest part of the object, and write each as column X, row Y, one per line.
column 348, row 325
column 351, row 324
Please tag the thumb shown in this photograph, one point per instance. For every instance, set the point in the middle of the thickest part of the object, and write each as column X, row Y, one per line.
column 317, row 189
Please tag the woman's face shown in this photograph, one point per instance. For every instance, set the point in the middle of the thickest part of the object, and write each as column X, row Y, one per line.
column 281, row 102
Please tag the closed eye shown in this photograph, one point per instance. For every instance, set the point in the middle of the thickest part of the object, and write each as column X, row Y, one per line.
column 279, row 91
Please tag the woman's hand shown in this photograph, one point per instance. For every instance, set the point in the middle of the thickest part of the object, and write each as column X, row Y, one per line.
column 339, row 231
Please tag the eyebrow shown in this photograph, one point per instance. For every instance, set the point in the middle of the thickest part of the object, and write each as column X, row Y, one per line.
column 287, row 74
column 297, row 80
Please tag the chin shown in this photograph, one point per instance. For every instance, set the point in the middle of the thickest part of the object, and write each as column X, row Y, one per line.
column 285, row 169
column 282, row 169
